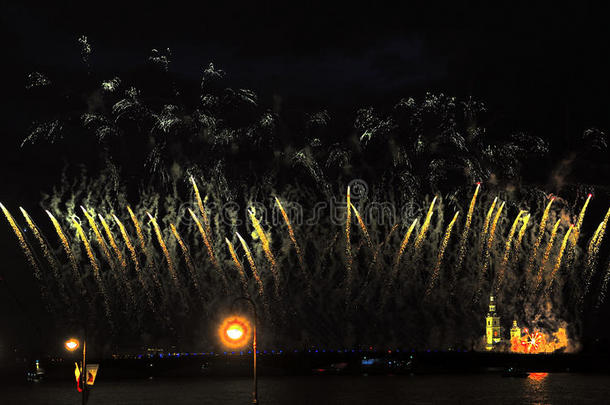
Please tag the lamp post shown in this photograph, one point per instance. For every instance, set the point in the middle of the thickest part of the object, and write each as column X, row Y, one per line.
column 71, row 345
column 235, row 333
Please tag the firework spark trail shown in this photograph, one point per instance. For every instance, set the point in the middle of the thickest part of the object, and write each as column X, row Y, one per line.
column 204, row 215
column 67, row 248
column 441, row 253
column 422, row 232
column 402, row 248
column 96, row 271
column 541, row 232
column 168, row 258
column 48, row 255
column 120, row 279
column 136, row 263
column 487, row 222
column 266, row 248
column 387, row 238
column 590, row 262
column 240, row 268
column 466, row 231
column 297, row 248
column 564, row 242
column 507, row 250
column 187, row 259
column 121, row 260
column 139, row 232
column 490, row 240
column 252, row 265
column 547, row 253
column 581, row 218
column 576, row 234
column 593, row 253
column 526, row 220
column 208, row 245
column 112, row 241
column 348, row 248
column 99, row 237
column 604, row 288
column 27, row 251
column 364, row 229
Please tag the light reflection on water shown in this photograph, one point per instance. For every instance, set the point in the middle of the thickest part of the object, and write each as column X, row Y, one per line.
column 562, row 388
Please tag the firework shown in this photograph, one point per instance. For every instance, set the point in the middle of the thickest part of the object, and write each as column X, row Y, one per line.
column 204, row 215
column 539, row 341
column 541, row 229
column 239, row 266
column 96, row 271
column 422, row 232
column 348, row 243
column 581, row 218
column 139, row 232
column 136, row 263
column 564, row 242
column 66, row 246
column 532, row 342
column 252, row 264
column 98, row 236
column 466, row 231
column 487, row 222
column 604, row 288
column 490, row 240
column 187, row 259
column 576, row 233
column 402, row 248
column 119, row 257
column 208, row 245
column 26, row 249
column 593, row 252
column 441, row 253
column 547, row 253
column 168, row 258
column 364, row 229
column 507, row 250
column 115, row 247
column 47, row 254
column 526, row 220
column 147, row 253
column 266, row 246
column 293, row 238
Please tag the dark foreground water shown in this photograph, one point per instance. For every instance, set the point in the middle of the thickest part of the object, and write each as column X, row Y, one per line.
column 560, row 388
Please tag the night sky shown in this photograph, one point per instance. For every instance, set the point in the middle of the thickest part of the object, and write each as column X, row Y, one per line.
column 542, row 69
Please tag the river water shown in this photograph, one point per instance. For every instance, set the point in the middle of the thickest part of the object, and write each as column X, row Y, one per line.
column 489, row 389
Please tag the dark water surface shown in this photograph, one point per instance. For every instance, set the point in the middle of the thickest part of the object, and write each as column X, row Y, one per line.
column 560, row 388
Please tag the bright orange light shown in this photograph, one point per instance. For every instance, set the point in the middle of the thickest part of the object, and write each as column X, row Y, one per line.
column 72, row 344
column 538, row 376
column 235, row 332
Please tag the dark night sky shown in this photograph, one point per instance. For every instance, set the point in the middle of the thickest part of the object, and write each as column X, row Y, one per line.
column 542, row 68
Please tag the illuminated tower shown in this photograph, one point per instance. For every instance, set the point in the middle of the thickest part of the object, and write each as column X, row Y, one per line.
column 515, row 332
column 492, row 326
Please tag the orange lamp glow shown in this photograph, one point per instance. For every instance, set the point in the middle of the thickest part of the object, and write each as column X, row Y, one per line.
column 72, row 344
column 235, row 332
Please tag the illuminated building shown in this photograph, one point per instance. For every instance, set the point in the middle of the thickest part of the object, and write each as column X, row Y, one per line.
column 492, row 326
column 515, row 332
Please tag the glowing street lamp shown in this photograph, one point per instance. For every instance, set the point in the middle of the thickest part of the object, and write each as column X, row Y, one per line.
column 71, row 345
column 235, row 332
